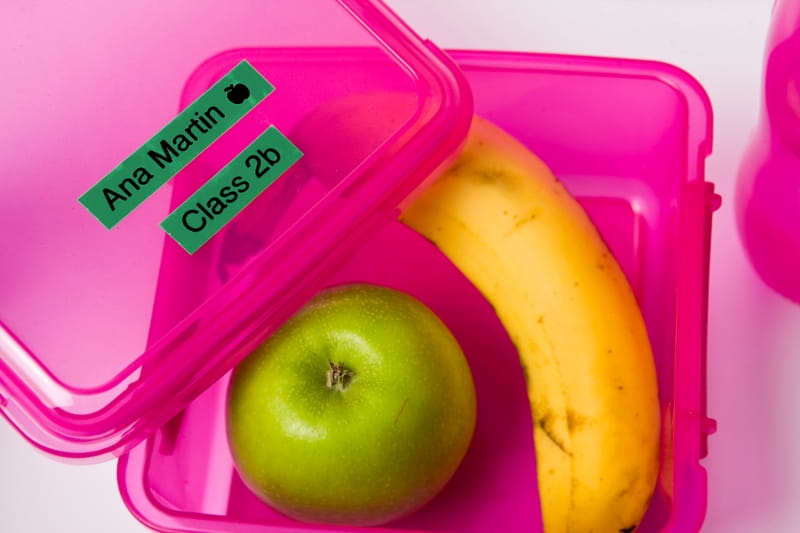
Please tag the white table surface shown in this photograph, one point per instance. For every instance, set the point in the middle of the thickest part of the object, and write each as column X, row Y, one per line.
column 754, row 335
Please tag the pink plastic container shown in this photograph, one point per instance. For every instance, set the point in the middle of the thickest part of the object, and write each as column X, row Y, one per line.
column 119, row 343
column 629, row 139
column 768, row 189
column 93, row 356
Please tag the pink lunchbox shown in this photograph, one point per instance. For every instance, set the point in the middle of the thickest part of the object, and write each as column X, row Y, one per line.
column 119, row 343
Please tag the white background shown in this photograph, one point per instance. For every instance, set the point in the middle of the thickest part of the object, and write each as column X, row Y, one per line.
column 754, row 335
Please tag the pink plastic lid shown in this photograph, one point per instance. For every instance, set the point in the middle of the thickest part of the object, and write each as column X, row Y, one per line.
column 106, row 333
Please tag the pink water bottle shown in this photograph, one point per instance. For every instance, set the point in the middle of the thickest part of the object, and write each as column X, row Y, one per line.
column 768, row 187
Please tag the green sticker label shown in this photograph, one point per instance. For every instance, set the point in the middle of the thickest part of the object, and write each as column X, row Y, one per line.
column 214, row 204
column 178, row 143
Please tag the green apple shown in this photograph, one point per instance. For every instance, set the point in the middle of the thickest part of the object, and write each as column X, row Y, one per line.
column 357, row 411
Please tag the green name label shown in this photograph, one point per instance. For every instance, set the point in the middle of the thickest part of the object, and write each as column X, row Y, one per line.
column 214, row 204
column 172, row 148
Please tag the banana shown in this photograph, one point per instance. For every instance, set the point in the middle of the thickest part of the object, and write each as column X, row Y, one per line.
column 514, row 230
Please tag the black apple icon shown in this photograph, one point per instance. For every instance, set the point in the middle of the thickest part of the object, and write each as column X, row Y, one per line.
column 237, row 93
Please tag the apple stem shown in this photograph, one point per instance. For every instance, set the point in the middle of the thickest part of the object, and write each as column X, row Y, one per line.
column 338, row 376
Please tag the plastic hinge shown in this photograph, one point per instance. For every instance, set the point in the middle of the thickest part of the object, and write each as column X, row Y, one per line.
column 713, row 200
column 708, row 425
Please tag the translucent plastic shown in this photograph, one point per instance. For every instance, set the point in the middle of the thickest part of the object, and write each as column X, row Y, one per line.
column 629, row 139
column 92, row 355
column 768, row 189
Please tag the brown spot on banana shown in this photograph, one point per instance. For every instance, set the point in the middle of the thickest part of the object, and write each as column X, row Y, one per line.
column 525, row 374
column 527, row 219
column 544, row 423
column 575, row 420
